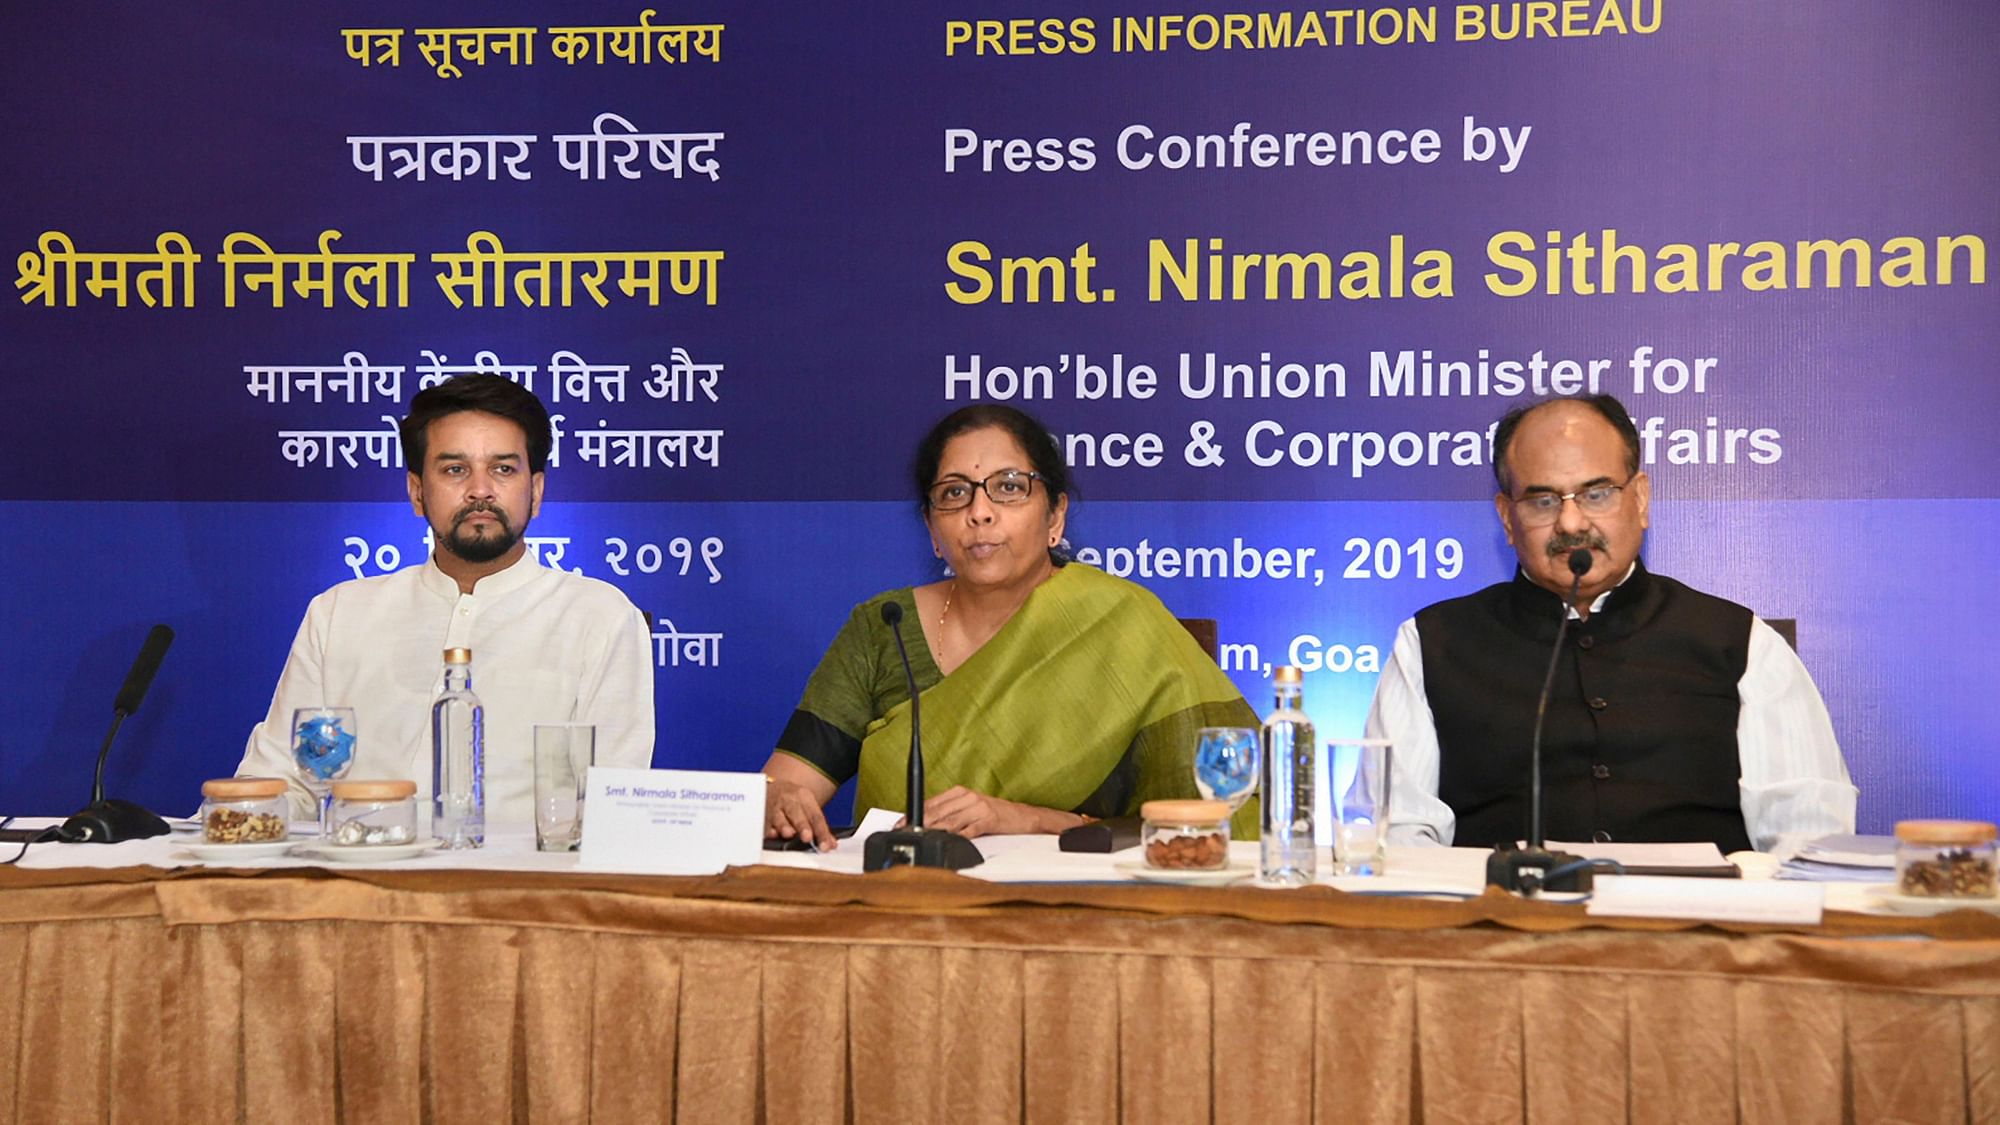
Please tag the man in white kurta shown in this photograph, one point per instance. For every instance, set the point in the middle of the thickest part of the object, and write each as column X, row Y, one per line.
column 547, row 646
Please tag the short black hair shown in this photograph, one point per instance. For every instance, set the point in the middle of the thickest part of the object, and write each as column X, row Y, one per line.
column 491, row 394
column 1043, row 453
column 1608, row 406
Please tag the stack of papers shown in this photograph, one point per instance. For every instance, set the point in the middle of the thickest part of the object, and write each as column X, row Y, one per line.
column 1651, row 859
column 1844, row 858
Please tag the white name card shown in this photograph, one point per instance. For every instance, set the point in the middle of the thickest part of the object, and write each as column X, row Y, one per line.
column 671, row 822
column 1711, row 900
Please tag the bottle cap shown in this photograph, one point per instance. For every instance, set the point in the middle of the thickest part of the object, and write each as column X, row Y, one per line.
column 374, row 790
column 1286, row 674
column 237, row 788
column 458, row 656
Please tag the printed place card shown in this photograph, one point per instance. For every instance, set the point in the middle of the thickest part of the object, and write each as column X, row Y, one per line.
column 1711, row 900
column 671, row 822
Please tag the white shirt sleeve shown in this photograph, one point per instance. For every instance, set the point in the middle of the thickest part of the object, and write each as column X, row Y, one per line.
column 1402, row 714
column 269, row 751
column 1795, row 784
column 617, row 695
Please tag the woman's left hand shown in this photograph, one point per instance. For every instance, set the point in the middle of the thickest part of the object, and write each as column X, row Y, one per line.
column 971, row 813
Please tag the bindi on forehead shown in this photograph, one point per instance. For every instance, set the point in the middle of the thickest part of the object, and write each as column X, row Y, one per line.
column 979, row 452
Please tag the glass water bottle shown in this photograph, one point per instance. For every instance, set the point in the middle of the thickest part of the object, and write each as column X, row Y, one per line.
column 1287, row 854
column 458, row 754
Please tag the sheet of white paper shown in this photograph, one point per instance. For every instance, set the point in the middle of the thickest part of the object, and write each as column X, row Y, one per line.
column 1715, row 900
column 1704, row 854
column 1415, row 870
column 1036, row 859
column 876, row 820
column 843, row 860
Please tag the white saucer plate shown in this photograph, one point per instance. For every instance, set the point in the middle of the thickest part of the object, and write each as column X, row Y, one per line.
column 1926, row 905
column 366, row 853
column 224, row 853
column 1195, row 877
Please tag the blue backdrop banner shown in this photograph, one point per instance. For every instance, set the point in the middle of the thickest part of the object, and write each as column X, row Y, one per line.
column 1271, row 274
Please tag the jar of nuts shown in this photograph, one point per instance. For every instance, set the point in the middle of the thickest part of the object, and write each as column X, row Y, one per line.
column 374, row 812
column 244, row 810
column 1945, row 858
column 1185, row 835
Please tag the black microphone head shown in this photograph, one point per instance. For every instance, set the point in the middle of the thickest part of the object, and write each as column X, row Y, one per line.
column 1580, row 561
column 143, row 669
column 892, row 614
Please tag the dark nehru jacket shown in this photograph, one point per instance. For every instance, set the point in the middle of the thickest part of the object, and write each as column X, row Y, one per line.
column 1640, row 741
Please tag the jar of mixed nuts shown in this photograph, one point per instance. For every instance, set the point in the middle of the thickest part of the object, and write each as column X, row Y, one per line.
column 374, row 812
column 1945, row 858
column 1185, row 835
column 244, row 810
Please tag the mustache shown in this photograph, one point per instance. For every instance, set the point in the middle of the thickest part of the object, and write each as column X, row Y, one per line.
column 477, row 507
column 1563, row 542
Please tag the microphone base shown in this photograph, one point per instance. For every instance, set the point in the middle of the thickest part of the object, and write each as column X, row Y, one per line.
column 919, row 847
column 111, row 821
column 1524, row 871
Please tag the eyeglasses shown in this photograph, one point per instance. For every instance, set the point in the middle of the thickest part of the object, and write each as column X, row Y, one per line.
column 1540, row 509
column 1008, row 486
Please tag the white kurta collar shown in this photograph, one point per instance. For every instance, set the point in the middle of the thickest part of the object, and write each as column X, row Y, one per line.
column 495, row 585
column 1598, row 602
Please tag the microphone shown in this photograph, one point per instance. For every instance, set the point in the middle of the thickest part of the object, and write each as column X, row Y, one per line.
column 109, row 821
column 1525, row 871
column 913, row 845
column 892, row 616
column 137, row 681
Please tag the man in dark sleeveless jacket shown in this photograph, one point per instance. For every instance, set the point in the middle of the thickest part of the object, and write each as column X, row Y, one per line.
column 1676, row 715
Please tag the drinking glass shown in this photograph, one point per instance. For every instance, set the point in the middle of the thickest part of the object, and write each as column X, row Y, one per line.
column 323, row 746
column 1358, row 770
column 563, row 756
column 1225, row 764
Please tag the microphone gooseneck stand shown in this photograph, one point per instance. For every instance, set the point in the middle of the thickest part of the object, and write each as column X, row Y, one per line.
column 1530, row 870
column 913, row 845
column 110, row 820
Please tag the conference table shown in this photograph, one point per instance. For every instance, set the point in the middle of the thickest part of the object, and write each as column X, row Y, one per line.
column 139, row 984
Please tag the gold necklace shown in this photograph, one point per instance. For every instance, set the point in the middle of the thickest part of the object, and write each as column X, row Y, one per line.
column 938, row 648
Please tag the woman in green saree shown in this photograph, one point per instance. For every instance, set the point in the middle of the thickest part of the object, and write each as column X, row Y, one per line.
column 1052, row 693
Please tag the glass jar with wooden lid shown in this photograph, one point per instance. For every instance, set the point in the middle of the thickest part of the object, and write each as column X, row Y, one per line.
column 1185, row 835
column 1945, row 858
column 244, row 810
column 378, row 812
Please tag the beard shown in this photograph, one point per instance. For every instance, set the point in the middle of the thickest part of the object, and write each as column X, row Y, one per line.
column 474, row 547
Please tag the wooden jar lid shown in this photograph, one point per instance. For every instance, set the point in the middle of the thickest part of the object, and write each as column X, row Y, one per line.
column 1185, row 812
column 375, row 790
column 239, row 788
column 1959, row 833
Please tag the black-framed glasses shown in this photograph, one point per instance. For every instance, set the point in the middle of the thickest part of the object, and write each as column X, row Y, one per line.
column 1540, row 509
column 1008, row 486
